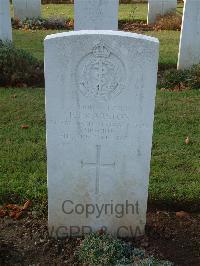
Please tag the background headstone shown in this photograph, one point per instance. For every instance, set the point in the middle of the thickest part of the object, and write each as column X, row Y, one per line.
column 189, row 48
column 159, row 7
column 100, row 93
column 27, row 9
column 5, row 21
column 96, row 14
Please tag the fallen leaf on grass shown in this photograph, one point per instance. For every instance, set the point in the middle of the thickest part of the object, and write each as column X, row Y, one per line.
column 2, row 213
column 177, row 88
column 182, row 214
column 27, row 204
column 18, row 215
column 13, row 207
column 187, row 141
column 163, row 212
column 24, row 126
column 12, row 214
column 14, row 211
column 15, row 214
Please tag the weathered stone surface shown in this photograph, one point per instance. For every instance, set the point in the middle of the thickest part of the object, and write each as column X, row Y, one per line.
column 96, row 14
column 27, row 8
column 5, row 21
column 189, row 49
column 100, row 93
column 160, row 7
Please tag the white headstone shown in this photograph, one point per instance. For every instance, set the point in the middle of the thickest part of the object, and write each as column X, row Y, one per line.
column 96, row 14
column 159, row 8
column 27, row 9
column 100, row 93
column 189, row 49
column 5, row 21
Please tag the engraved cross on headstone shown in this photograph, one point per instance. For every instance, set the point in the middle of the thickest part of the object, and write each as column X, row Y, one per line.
column 98, row 166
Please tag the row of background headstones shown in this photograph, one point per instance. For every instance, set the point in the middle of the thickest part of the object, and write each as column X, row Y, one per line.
column 30, row 9
column 189, row 52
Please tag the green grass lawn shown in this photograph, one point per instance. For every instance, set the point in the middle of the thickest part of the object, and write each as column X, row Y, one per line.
column 169, row 46
column 175, row 167
column 32, row 41
column 126, row 11
column 131, row 11
column 22, row 153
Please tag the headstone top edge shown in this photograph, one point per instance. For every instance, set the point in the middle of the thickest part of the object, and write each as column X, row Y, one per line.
column 102, row 32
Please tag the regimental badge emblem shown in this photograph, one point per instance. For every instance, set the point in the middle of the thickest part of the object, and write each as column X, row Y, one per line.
column 101, row 74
